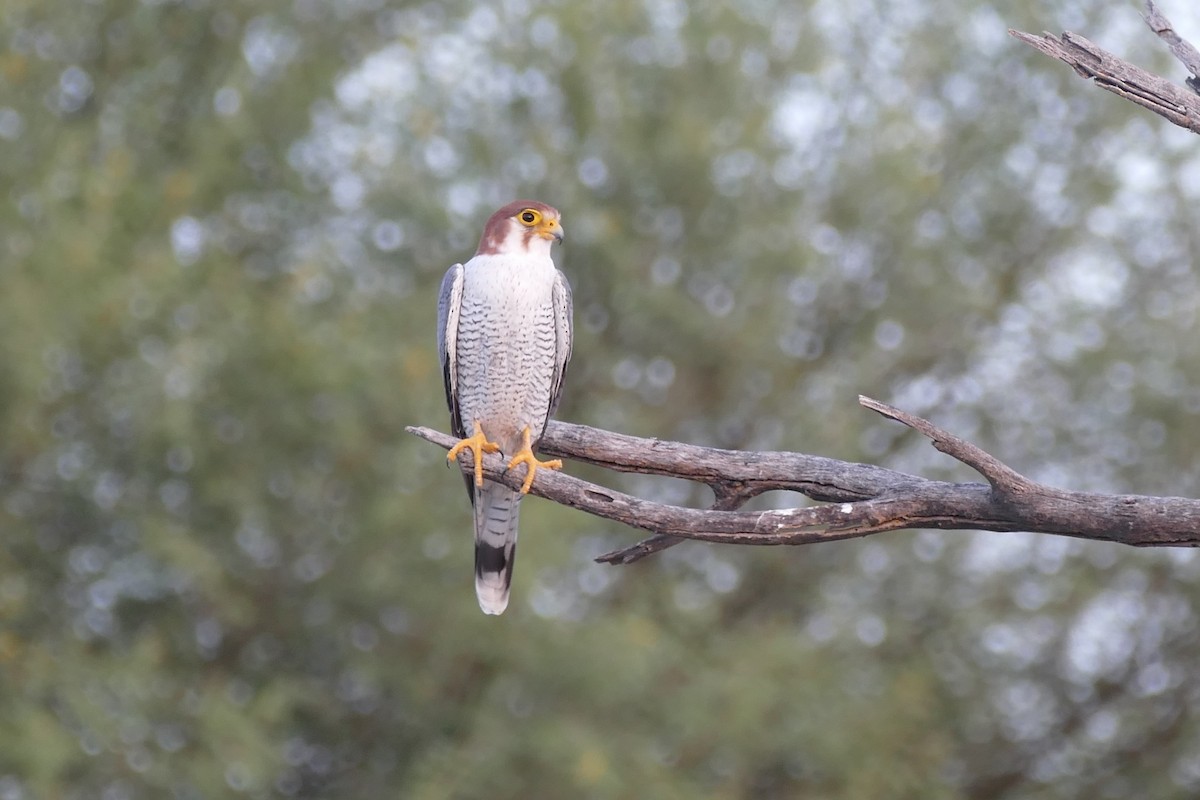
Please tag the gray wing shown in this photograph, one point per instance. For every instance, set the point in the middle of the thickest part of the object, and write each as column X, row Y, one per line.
column 563, row 325
column 449, row 304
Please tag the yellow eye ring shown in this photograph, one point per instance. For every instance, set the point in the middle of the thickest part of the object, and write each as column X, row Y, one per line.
column 530, row 217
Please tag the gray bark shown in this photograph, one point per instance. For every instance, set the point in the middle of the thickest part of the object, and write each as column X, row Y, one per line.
column 861, row 499
column 1167, row 99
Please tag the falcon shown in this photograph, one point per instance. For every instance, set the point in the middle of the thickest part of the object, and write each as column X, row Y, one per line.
column 504, row 337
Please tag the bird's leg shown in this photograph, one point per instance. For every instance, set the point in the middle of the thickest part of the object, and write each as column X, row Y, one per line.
column 525, row 455
column 478, row 444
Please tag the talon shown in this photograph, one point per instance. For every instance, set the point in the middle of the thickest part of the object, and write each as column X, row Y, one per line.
column 478, row 444
column 525, row 455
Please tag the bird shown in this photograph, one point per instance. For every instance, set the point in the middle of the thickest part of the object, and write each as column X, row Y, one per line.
column 504, row 340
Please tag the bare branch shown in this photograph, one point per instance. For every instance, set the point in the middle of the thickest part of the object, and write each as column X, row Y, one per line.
column 1182, row 49
column 999, row 475
column 865, row 499
column 1118, row 76
column 729, row 497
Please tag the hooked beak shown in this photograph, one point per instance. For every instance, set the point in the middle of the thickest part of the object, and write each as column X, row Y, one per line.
column 553, row 230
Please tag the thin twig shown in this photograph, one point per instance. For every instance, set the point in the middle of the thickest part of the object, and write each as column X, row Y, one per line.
column 730, row 496
column 999, row 475
column 1181, row 48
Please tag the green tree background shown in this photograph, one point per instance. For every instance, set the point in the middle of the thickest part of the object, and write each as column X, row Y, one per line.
column 227, row 571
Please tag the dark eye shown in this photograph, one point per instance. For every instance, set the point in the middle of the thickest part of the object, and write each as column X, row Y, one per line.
column 529, row 217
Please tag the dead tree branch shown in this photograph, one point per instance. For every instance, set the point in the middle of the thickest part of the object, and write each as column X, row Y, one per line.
column 1167, row 99
column 1181, row 48
column 865, row 499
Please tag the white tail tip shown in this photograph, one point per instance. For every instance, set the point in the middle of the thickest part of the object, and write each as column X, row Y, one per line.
column 493, row 599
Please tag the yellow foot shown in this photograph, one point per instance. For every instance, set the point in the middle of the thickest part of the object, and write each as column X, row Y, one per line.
column 525, row 455
column 478, row 444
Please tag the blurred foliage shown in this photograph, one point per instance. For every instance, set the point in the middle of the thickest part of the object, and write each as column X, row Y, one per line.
column 227, row 571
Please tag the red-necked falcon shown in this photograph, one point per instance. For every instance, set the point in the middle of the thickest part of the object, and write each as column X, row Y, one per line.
column 504, row 336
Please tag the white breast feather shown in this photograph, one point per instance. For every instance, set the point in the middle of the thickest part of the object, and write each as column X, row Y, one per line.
column 506, row 345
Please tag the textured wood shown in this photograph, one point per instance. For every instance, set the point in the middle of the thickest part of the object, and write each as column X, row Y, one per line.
column 1181, row 48
column 1167, row 99
column 864, row 499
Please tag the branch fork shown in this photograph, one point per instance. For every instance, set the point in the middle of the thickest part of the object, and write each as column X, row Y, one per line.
column 862, row 499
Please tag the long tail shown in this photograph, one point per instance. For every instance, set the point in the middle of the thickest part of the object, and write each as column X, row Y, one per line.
column 496, row 512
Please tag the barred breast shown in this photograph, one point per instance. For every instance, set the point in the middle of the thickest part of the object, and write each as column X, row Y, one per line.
column 506, row 346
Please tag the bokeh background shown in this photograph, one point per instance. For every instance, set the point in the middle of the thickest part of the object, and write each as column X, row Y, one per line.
column 226, row 571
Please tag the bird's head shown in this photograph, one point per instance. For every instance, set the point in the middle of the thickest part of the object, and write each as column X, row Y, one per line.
column 522, row 226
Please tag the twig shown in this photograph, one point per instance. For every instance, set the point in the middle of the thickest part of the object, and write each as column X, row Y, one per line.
column 1182, row 49
column 999, row 475
column 729, row 497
